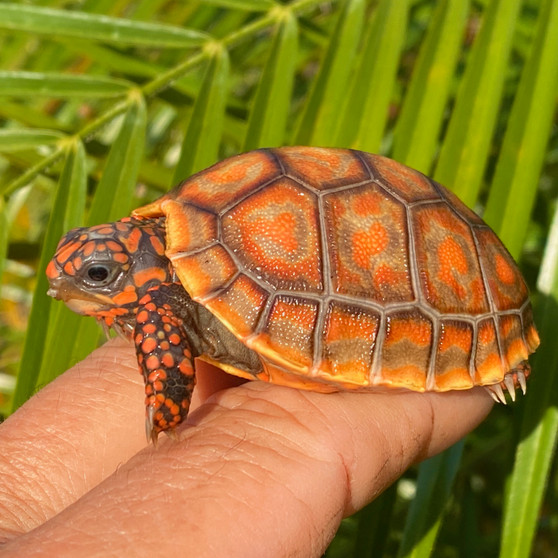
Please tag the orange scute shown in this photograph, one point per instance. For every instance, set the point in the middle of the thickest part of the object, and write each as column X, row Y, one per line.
column 51, row 271
column 367, row 203
column 126, row 296
column 487, row 333
column 323, row 168
column 419, row 331
column 505, row 272
column 68, row 251
column 407, row 182
column 385, row 276
column 144, row 275
column 451, row 256
column 408, row 376
column 452, row 336
column 369, row 243
column 69, row 268
column 516, row 352
column 489, row 370
column 148, row 345
column 454, row 378
column 239, row 306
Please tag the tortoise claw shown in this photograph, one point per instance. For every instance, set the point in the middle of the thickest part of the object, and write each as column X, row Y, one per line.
column 106, row 328
column 493, row 395
column 521, row 380
column 510, row 386
column 122, row 331
column 171, row 433
column 150, row 431
column 497, row 393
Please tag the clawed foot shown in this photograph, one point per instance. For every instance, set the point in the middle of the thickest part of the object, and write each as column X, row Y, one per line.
column 513, row 379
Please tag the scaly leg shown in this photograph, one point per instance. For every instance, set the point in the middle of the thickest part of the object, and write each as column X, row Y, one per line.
column 165, row 360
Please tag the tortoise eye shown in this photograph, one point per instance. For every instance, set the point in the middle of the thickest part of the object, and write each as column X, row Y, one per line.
column 99, row 274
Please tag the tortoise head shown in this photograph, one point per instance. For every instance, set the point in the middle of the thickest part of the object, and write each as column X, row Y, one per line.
column 103, row 271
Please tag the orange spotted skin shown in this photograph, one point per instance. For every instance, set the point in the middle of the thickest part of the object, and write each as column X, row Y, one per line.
column 134, row 297
column 165, row 360
column 338, row 269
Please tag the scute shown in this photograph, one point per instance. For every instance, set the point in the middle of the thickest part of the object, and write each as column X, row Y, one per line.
column 409, row 184
column 350, row 334
column 447, row 261
column 505, row 283
column 323, row 169
column 346, row 269
column 229, row 181
column 453, row 358
column 371, row 260
column 274, row 234
column 406, row 350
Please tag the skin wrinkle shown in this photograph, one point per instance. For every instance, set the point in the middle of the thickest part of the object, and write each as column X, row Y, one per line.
column 348, row 464
column 264, row 409
column 39, row 441
column 15, row 510
column 309, row 518
column 284, row 443
column 33, row 486
column 261, row 422
column 421, row 455
column 257, row 473
column 324, row 432
column 346, row 474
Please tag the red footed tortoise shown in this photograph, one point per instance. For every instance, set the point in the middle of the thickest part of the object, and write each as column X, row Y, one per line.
column 321, row 269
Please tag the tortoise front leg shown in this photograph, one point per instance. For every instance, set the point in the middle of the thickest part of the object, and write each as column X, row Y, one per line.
column 165, row 360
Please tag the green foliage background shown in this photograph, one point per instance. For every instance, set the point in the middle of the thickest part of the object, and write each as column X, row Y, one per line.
column 106, row 104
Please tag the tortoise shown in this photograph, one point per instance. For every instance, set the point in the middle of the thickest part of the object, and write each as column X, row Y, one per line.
column 316, row 268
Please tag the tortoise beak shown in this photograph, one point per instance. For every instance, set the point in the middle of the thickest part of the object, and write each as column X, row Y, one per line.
column 54, row 293
column 76, row 299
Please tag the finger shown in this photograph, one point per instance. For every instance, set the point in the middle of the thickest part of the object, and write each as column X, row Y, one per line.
column 75, row 432
column 69, row 436
column 259, row 470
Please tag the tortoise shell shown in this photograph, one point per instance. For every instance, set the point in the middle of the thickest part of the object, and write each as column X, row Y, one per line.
column 343, row 269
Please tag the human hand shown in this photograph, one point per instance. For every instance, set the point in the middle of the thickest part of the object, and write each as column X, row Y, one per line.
column 259, row 470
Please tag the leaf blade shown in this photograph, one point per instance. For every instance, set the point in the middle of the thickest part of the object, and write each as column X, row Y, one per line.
column 60, row 85
column 65, row 23
column 62, row 217
column 317, row 125
column 522, row 154
column 201, row 141
column 248, row 5
column 466, row 145
column 270, row 108
column 434, row 485
column 19, row 139
column 365, row 115
column 417, row 129
column 112, row 202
